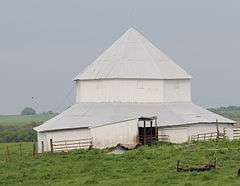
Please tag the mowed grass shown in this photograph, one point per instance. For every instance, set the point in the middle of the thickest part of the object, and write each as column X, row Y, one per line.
column 10, row 120
column 154, row 165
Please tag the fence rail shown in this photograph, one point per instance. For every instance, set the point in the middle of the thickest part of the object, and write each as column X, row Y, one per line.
column 163, row 138
column 236, row 133
column 68, row 145
column 208, row 136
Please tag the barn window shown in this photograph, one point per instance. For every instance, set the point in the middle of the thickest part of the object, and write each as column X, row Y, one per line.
column 140, row 84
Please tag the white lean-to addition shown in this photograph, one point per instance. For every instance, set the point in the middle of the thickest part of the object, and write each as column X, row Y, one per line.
column 130, row 81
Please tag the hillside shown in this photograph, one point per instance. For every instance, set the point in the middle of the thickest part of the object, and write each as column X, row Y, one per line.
column 10, row 120
column 17, row 128
column 154, row 165
column 231, row 112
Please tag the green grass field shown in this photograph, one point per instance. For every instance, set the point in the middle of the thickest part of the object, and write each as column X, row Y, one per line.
column 20, row 128
column 154, row 165
column 231, row 112
column 24, row 120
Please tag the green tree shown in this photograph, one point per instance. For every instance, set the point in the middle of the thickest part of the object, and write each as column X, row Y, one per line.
column 28, row 111
column 50, row 112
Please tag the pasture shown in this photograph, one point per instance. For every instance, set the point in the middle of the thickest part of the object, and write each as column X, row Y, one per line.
column 16, row 128
column 231, row 112
column 155, row 165
column 13, row 120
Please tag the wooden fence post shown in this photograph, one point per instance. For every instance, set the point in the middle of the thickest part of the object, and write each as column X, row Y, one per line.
column 156, row 128
column 42, row 146
column 20, row 149
column 91, row 144
column 178, row 162
column 51, row 145
column 7, row 154
column 66, row 147
column 151, row 132
column 34, row 149
column 217, row 129
column 224, row 133
column 144, row 133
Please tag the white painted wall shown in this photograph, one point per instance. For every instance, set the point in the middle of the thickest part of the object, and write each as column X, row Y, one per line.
column 42, row 137
column 176, row 134
column 181, row 134
column 132, row 90
column 60, row 136
column 176, row 90
column 110, row 135
column 103, row 136
column 127, row 132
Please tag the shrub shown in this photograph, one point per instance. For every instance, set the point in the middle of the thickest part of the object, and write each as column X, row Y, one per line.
column 17, row 133
column 28, row 111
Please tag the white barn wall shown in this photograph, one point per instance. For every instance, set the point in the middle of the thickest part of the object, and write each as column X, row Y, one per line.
column 176, row 90
column 125, row 132
column 42, row 137
column 132, row 90
column 178, row 134
column 181, row 134
column 75, row 134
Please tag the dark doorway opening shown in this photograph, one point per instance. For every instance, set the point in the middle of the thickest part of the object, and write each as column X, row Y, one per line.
column 148, row 132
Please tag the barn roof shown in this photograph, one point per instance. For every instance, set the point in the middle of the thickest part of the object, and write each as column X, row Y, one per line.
column 87, row 115
column 132, row 56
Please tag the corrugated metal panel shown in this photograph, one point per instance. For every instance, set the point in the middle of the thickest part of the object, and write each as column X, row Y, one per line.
column 94, row 114
column 133, row 56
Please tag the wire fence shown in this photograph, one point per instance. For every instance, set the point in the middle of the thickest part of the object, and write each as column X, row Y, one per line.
column 17, row 151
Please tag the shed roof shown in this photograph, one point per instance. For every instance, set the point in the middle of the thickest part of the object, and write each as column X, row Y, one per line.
column 132, row 56
column 87, row 115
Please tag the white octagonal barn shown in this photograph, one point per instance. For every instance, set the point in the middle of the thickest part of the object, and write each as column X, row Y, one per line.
column 133, row 93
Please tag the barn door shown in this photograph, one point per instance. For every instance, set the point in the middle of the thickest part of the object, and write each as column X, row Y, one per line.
column 147, row 131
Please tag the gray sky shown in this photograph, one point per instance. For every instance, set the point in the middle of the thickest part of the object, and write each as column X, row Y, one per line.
column 44, row 44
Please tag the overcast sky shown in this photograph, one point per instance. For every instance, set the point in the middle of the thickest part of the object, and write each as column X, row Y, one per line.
column 44, row 44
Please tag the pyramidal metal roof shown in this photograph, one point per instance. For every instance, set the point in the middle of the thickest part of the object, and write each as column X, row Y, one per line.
column 87, row 115
column 132, row 56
